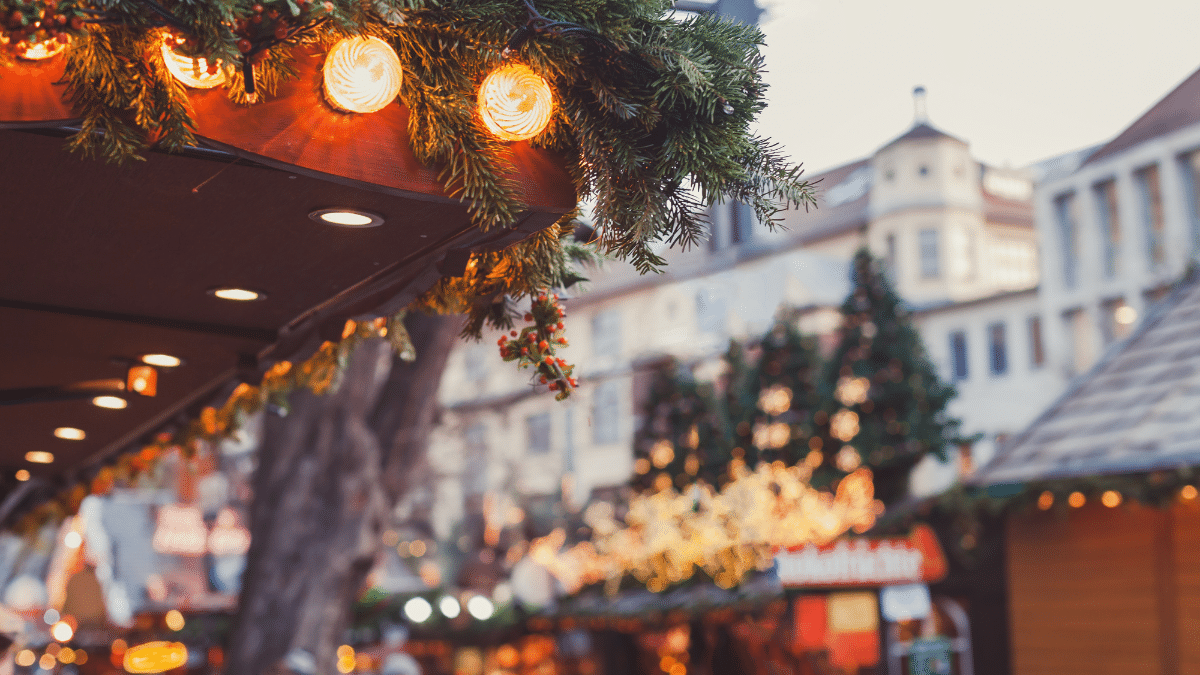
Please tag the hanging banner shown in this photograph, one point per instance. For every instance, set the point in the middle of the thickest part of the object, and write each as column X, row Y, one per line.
column 860, row 561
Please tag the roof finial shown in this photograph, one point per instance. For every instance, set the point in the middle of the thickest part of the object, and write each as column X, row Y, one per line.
column 919, row 113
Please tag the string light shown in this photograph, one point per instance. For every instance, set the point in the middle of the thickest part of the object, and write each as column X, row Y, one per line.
column 155, row 657
column 1111, row 498
column 194, row 72
column 1076, row 499
column 46, row 49
column 1045, row 500
column 418, row 610
column 362, row 75
column 515, row 102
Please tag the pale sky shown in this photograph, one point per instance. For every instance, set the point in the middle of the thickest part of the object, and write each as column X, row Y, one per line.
column 1020, row 80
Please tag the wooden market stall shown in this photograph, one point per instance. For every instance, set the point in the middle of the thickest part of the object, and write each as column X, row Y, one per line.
column 1103, row 562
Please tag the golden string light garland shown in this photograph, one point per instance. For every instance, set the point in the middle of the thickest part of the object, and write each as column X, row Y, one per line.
column 362, row 75
column 515, row 102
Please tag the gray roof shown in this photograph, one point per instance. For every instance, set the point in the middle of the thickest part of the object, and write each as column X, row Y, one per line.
column 1137, row 410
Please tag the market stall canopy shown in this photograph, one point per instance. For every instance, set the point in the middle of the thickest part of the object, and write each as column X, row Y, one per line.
column 106, row 263
column 1133, row 412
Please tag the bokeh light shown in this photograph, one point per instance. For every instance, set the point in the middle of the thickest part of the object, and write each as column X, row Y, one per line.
column 362, row 75
column 515, row 102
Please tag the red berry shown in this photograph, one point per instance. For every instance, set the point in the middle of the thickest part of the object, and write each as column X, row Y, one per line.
column 524, row 351
column 512, row 333
column 561, row 362
column 548, row 361
column 63, row 38
column 543, row 345
column 553, row 386
column 500, row 341
column 77, row 22
column 213, row 68
column 528, row 316
column 542, row 298
column 281, row 32
column 542, row 379
column 559, row 326
column 244, row 45
column 258, row 9
column 562, row 341
column 256, row 19
column 60, row 19
column 274, row 14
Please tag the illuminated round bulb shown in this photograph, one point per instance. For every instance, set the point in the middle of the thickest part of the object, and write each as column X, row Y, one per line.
column 1125, row 315
column 515, row 102
column 362, row 75
column 22, row 475
column 174, row 620
column 239, row 294
column 62, row 631
column 47, row 661
column 449, row 607
column 39, row 457
column 70, row 433
column 110, row 402
column 1076, row 499
column 346, row 218
column 192, row 72
column 43, row 50
column 66, row 655
column 1188, row 492
column 1111, row 498
column 161, row 360
column 73, row 540
column 418, row 609
column 26, row 658
column 480, row 607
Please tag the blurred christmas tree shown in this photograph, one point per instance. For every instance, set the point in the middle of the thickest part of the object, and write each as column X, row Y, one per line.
column 685, row 436
column 883, row 403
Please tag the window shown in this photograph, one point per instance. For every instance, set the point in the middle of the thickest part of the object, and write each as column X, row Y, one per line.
column 1190, row 168
column 1079, row 344
column 710, row 311
column 958, row 355
column 1037, row 350
column 475, row 458
column 1110, row 226
column 1150, row 195
column 738, row 222
column 606, row 333
column 1118, row 320
column 1064, row 214
column 889, row 259
column 606, row 414
column 569, row 440
column 537, row 433
column 930, row 268
column 997, row 349
column 475, row 363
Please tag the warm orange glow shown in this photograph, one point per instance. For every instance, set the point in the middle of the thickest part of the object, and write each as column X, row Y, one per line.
column 155, row 657
column 62, row 631
column 362, row 75
column 81, row 657
column 507, row 656
column 67, row 655
column 1045, row 500
column 417, row 548
column 192, row 72
column 515, row 102
column 1111, row 499
column 110, row 402
column 161, row 360
column 1188, row 492
column 47, row 661
column 236, row 294
column 22, row 475
column 1076, row 499
column 70, row 433
column 174, row 620
column 26, row 658
column 39, row 457
column 844, row 425
column 142, row 380
column 43, row 50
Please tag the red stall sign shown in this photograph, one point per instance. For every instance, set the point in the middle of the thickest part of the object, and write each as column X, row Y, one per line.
column 862, row 561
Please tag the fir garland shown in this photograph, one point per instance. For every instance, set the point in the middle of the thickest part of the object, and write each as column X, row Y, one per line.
column 655, row 113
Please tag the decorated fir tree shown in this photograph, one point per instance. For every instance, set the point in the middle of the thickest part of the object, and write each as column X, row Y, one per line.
column 772, row 403
column 684, row 437
column 883, row 405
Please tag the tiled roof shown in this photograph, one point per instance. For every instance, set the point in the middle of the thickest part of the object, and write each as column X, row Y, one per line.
column 919, row 131
column 1176, row 110
column 831, row 216
column 1137, row 410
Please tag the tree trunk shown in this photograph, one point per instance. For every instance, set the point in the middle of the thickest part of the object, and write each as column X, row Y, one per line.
column 321, row 499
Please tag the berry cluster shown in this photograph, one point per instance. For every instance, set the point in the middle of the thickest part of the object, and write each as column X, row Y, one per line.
column 272, row 21
column 29, row 23
column 535, row 345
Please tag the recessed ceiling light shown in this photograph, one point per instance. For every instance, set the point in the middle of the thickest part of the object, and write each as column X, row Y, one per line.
column 110, row 402
column 70, row 433
column 22, row 475
column 347, row 217
column 238, row 294
column 161, row 360
column 39, row 457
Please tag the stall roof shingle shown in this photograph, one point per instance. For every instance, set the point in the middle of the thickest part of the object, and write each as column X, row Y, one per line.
column 1137, row 410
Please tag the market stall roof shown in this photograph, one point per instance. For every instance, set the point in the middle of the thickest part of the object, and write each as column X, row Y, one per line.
column 104, row 263
column 1135, row 411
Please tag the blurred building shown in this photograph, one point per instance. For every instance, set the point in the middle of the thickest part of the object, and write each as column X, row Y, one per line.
column 1120, row 222
column 956, row 235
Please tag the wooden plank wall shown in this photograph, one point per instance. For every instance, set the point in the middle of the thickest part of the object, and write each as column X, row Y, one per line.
column 1105, row 591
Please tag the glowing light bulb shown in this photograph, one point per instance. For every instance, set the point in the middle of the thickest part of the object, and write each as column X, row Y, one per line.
column 515, row 102
column 155, row 657
column 62, row 631
column 174, row 620
column 43, row 50
column 110, row 402
column 449, row 607
column 362, row 74
column 481, row 608
column 73, row 540
column 70, row 433
column 238, row 294
column 192, row 72
column 39, row 457
column 22, row 475
column 161, row 360
column 418, row 609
